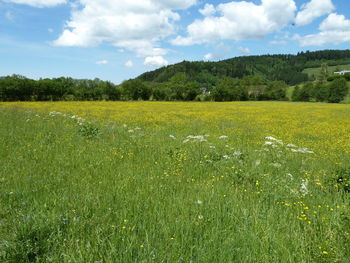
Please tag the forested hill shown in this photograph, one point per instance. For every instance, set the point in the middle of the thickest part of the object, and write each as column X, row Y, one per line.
column 287, row 68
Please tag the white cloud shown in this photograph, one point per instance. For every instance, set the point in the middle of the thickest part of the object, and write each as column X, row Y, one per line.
column 335, row 22
column 208, row 57
column 335, row 29
column 208, row 10
column 129, row 64
column 313, row 10
column 102, row 62
column 278, row 42
column 244, row 50
column 39, row 3
column 155, row 61
column 240, row 21
column 134, row 25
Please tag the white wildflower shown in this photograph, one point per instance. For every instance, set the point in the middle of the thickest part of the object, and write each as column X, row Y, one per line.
column 226, row 157
column 212, row 147
column 277, row 165
column 200, row 217
column 199, row 138
column 257, row 162
column 270, row 138
column 237, row 153
column 131, row 131
column 137, row 128
column 302, row 150
column 290, row 176
column 291, row 145
column 172, row 137
column 303, row 187
column 223, row 137
column 199, row 202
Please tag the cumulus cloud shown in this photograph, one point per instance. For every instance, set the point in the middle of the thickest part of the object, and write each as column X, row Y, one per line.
column 102, row 62
column 208, row 57
column 239, row 21
column 335, row 22
column 155, row 62
column 132, row 25
column 243, row 50
column 129, row 64
column 313, row 10
column 335, row 29
column 208, row 10
column 39, row 3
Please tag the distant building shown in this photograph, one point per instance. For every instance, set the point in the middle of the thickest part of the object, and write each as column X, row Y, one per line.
column 343, row 72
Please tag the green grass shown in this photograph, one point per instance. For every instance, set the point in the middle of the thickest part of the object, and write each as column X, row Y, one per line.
column 289, row 92
column 102, row 194
column 315, row 71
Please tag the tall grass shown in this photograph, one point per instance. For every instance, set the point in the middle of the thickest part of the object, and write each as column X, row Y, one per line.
column 75, row 191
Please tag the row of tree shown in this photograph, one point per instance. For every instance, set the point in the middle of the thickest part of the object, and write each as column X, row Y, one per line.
column 334, row 90
column 179, row 87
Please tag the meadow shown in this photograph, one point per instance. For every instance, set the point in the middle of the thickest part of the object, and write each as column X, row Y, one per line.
column 174, row 182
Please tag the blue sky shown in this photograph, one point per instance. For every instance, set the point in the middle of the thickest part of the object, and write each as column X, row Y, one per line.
column 119, row 39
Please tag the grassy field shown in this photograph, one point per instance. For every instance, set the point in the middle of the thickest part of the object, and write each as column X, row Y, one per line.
column 331, row 69
column 174, row 182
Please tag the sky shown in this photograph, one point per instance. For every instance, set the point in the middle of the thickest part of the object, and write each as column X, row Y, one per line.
column 117, row 40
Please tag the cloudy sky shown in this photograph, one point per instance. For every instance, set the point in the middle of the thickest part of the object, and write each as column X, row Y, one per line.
column 119, row 39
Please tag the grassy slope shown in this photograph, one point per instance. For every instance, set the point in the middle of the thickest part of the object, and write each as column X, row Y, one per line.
column 331, row 69
column 144, row 197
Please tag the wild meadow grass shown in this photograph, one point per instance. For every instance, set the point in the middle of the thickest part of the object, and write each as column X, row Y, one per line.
column 174, row 182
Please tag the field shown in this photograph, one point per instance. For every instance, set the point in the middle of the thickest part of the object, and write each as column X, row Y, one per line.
column 331, row 69
column 174, row 182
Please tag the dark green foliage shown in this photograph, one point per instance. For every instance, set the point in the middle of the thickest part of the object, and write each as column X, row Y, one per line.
column 136, row 90
column 287, row 68
column 89, row 130
column 333, row 92
column 302, row 93
column 321, row 91
column 337, row 90
column 276, row 90
column 19, row 88
column 229, row 89
column 343, row 179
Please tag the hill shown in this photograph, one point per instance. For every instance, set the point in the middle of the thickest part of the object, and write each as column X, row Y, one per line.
column 286, row 67
column 313, row 72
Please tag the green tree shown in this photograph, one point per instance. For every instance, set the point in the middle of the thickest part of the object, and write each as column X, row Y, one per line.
column 338, row 89
column 135, row 90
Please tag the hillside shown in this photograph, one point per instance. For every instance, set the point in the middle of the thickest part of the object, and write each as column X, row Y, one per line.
column 313, row 72
column 288, row 68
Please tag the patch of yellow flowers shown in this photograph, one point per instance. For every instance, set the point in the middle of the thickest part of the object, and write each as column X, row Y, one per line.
column 324, row 128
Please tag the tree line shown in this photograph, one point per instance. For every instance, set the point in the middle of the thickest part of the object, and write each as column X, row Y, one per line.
column 178, row 88
column 332, row 90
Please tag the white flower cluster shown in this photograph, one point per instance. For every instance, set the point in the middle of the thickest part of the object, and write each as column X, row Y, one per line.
column 78, row 119
column 303, row 187
column 195, row 138
column 274, row 143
